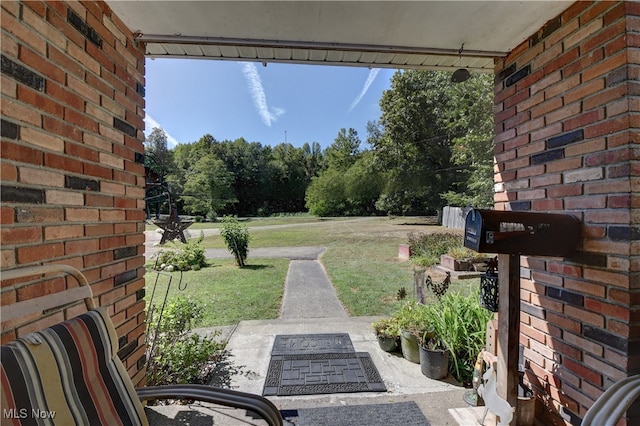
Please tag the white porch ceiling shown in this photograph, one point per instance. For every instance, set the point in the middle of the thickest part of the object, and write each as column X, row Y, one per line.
column 380, row 34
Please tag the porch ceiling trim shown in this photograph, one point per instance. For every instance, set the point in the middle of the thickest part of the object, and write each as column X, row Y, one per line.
column 290, row 51
column 200, row 47
column 376, row 34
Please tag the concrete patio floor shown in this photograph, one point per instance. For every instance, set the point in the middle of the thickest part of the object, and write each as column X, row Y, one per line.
column 250, row 344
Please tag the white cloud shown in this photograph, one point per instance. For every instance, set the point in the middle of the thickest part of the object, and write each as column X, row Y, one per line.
column 370, row 78
column 150, row 123
column 268, row 115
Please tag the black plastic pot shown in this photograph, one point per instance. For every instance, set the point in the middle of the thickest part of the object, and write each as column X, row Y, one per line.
column 434, row 363
column 388, row 344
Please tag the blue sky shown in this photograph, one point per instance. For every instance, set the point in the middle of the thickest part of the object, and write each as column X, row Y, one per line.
column 229, row 100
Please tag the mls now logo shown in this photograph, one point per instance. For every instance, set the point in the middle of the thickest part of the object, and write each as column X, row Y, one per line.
column 23, row 413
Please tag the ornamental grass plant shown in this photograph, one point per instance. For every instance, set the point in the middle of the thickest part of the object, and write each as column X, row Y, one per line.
column 460, row 323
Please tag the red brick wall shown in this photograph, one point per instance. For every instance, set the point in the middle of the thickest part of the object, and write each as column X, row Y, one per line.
column 72, row 181
column 567, row 116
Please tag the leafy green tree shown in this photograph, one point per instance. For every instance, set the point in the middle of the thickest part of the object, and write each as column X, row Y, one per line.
column 412, row 143
column 470, row 118
column 344, row 151
column 326, row 194
column 288, row 179
column 201, row 178
column 249, row 165
column 185, row 155
column 156, row 146
column 363, row 185
column 313, row 158
column 158, row 164
column 207, row 187
column 350, row 185
column 176, row 179
column 159, row 157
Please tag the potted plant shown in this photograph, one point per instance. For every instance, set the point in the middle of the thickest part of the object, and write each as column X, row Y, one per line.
column 460, row 325
column 434, row 357
column 457, row 259
column 460, row 258
column 387, row 332
column 412, row 324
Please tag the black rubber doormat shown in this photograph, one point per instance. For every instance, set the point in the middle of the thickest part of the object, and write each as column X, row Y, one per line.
column 322, row 373
column 288, row 344
column 393, row 414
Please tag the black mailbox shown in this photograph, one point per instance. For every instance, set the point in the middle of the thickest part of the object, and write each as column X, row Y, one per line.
column 527, row 233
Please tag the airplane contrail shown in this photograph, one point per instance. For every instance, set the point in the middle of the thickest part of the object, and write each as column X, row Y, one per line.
column 370, row 78
column 150, row 123
column 257, row 94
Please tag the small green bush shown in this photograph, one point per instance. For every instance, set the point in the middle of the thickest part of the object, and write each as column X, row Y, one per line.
column 182, row 257
column 236, row 237
column 176, row 355
column 426, row 249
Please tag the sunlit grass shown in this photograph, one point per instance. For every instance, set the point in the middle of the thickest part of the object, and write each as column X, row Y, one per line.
column 231, row 294
column 263, row 221
column 361, row 261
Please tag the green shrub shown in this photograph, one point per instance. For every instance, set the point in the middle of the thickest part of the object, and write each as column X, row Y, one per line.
column 176, row 355
column 182, row 257
column 236, row 237
column 426, row 249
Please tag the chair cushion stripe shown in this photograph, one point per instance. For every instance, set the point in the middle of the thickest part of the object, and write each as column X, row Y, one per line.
column 71, row 368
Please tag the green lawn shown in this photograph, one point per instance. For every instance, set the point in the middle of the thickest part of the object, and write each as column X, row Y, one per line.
column 367, row 274
column 262, row 221
column 231, row 294
column 361, row 260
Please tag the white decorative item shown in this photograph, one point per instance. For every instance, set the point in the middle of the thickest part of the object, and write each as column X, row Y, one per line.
column 492, row 400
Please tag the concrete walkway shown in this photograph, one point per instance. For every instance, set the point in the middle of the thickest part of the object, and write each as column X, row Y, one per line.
column 310, row 305
column 308, row 293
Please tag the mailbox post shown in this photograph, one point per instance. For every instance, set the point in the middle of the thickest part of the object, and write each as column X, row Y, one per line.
column 510, row 235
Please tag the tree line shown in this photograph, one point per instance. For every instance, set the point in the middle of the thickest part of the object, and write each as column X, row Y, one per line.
column 432, row 146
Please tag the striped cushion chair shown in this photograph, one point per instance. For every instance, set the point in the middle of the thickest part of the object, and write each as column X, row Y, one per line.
column 69, row 373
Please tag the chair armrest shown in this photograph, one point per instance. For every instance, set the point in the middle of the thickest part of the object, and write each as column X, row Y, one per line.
column 613, row 403
column 227, row 397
